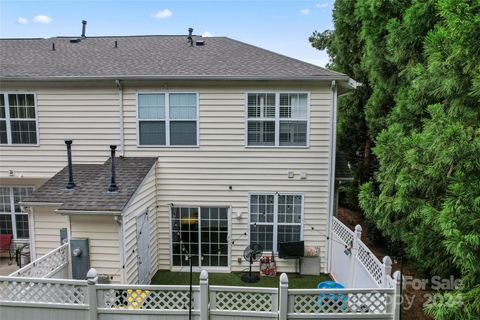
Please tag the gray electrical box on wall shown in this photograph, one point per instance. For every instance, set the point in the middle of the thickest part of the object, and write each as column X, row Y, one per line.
column 80, row 257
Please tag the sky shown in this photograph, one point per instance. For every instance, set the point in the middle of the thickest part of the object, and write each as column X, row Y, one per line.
column 281, row 26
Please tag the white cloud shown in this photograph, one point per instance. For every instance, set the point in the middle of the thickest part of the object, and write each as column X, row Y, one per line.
column 42, row 19
column 322, row 5
column 22, row 20
column 305, row 11
column 162, row 14
column 207, row 34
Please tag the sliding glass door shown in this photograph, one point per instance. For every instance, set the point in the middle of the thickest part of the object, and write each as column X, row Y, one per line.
column 202, row 233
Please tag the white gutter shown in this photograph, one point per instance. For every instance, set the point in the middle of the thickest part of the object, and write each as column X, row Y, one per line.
column 177, row 77
column 120, row 116
column 89, row 213
column 331, row 173
column 40, row 204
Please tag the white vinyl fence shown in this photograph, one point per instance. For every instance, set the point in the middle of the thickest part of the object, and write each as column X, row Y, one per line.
column 54, row 264
column 352, row 262
column 42, row 299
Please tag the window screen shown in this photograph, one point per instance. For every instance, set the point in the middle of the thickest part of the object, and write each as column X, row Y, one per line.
column 152, row 133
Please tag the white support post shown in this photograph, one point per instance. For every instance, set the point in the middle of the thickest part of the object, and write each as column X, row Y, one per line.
column 353, row 260
column 92, row 281
column 204, row 312
column 386, row 270
column 397, row 301
column 283, row 297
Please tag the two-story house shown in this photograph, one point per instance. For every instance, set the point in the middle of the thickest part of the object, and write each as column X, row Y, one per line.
column 219, row 144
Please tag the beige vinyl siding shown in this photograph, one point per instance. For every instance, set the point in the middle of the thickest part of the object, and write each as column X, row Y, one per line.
column 188, row 175
column 47, row 226
column 82, row 112
column 143, row 201
column 202, row 176
column 103, row 236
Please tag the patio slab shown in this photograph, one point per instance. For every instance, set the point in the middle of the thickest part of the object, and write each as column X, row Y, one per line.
column 6, row 268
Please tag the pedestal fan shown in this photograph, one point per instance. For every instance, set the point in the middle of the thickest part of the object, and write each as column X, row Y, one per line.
column 252, row 253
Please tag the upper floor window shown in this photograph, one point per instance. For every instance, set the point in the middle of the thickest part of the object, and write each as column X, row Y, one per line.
column 13, row 220
column 18, row 124
column 277, row 119
column 167, row 119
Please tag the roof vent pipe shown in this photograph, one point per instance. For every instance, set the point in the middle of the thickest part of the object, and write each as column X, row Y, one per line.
column 70, row 184
column 84, row 26
column 190, row 39
column 113, row 185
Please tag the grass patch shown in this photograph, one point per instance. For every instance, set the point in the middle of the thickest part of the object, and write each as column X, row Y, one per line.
column 233, row 279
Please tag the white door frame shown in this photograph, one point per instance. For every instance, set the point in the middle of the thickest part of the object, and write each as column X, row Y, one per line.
column 217, row 269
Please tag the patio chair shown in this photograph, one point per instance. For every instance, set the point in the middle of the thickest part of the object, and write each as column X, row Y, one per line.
column 6, row 244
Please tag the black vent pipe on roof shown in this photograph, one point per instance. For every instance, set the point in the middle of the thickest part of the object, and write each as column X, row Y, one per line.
column 190, row 39
column 113, row 185
column 70, row 185
column 84, row 26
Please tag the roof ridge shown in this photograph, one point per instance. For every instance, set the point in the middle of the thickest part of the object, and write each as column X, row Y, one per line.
column 110, row 36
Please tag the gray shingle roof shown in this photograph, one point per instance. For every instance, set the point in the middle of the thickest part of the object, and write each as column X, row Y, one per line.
column 148, row 57
column 92, row 181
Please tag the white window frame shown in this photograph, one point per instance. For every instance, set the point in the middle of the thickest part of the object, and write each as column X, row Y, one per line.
column 8, row 119
column 277, row 119
column 197, row 268
column 13, row 214
column 168, row 120
column 275, row 215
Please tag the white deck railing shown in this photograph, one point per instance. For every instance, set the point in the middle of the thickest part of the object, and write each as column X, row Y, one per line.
column 53, row 264
column 31, row 298
column 113, row 297
column 237, row 301
column 43, row 291
column 353, row 263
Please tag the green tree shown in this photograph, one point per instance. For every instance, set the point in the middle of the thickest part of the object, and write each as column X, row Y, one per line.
column 344, row 46
column 419, row 61
column 426, row 192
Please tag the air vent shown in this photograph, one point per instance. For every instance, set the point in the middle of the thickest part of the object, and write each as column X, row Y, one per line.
column 200, row 43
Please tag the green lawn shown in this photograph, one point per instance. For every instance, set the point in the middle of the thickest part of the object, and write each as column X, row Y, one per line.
column 233, row 279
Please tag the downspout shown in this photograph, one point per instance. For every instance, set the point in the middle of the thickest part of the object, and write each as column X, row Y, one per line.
column 331, row 173
column 31, row 227
column 121, row 234
column 120, row 116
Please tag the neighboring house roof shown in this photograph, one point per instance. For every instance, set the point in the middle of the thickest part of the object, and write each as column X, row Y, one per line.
column 92, row 180
column 144, row 57
column 342, row 168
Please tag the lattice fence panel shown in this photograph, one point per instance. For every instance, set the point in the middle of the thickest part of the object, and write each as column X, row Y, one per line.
column 45, row 265
column 371, row 263
column 374, row 302
column 147, row 299
column 342, row 231
column 243, row 301
column 20, row 291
